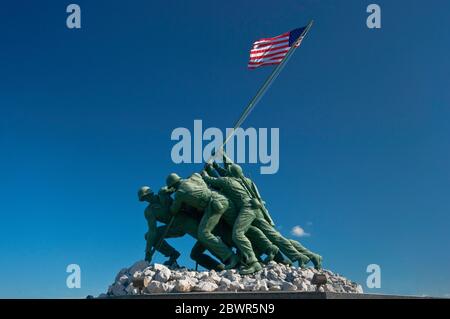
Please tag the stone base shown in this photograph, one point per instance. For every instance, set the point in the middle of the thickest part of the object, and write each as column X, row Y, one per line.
column 267, row 296
column 145, row 279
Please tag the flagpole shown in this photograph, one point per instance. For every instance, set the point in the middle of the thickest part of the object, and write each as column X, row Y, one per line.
column 262, row 90
column 251, row 105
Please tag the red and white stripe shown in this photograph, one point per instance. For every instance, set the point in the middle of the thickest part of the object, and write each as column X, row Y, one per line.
column 269, row 51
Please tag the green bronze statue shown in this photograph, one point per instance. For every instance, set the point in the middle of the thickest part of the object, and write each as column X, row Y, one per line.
column 194, row 192
column 250, row 212
column 222, row 209
column 158, row 211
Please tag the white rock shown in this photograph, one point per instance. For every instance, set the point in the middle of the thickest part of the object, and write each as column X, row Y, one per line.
column 183, row 286
column 272, row 275
column 176, row 275
column 121, row 273
column 202, row 275
column 225, row 282
column 156, row 287
column 157, row 267
column 205, row 286
column 329, row 288
column 236, row 286
column 250, row 287
column 223, row 288
column 215, row 278
column 263, row 285
column 148, row 272
column 308, row 274
column 147, row 281
column 138, row 266
column 287, row 286
column 131, row 290
column 138, row 274
column 162, row 275
column 117, row 290
column 271, row 283
column 301, row 284
column 275, row 288
column 169, row 286
column 122, row 280
column 359, row 289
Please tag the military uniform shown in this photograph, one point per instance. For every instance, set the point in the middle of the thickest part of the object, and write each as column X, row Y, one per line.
column 250, row 214
column 158, row 211
column 194, row 192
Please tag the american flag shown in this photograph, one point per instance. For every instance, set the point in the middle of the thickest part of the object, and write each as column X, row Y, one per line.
column 270, row 51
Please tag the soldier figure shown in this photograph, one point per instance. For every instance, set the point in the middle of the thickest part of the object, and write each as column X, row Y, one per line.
column 235, row 186
column 194, row 192
column 158, row 210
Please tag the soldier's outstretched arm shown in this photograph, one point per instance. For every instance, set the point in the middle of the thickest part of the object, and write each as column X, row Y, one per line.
column 226, row 161
column 165, row 191
column 220, row 170
column 177, row 204
column 213, row 181
column 209, row 170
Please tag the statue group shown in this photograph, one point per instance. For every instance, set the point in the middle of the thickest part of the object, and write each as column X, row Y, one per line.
column 223, row 211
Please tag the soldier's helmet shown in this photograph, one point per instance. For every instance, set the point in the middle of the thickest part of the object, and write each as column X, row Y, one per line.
column 235, row 170
column 172, row 180
column 144, row 191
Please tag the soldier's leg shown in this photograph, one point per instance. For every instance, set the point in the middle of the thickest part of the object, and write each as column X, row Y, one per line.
column 199, row 256
column 209, row 221
column 279, row 258
column 164, row 248
column 261, row 244
column 223, row 231
column 315, row 258
column 284, row 244
column 240, row 228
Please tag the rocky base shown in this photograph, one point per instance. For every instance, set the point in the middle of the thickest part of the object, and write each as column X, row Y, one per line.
column 143, row 279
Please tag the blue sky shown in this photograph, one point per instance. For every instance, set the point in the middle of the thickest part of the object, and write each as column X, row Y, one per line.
column 86, row 117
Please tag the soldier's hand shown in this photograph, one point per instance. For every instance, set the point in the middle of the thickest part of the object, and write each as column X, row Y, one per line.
column 215, row 165
column 167, row 190
column 164, row 189
column 207, row 165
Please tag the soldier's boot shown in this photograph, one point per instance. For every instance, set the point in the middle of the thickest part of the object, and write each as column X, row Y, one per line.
column 220, row 267
column 172, row 261
column 232, row 262
column 279, row 258
column 271, row 253
column 251, row 269
column 316, row 260
column 302, row 261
